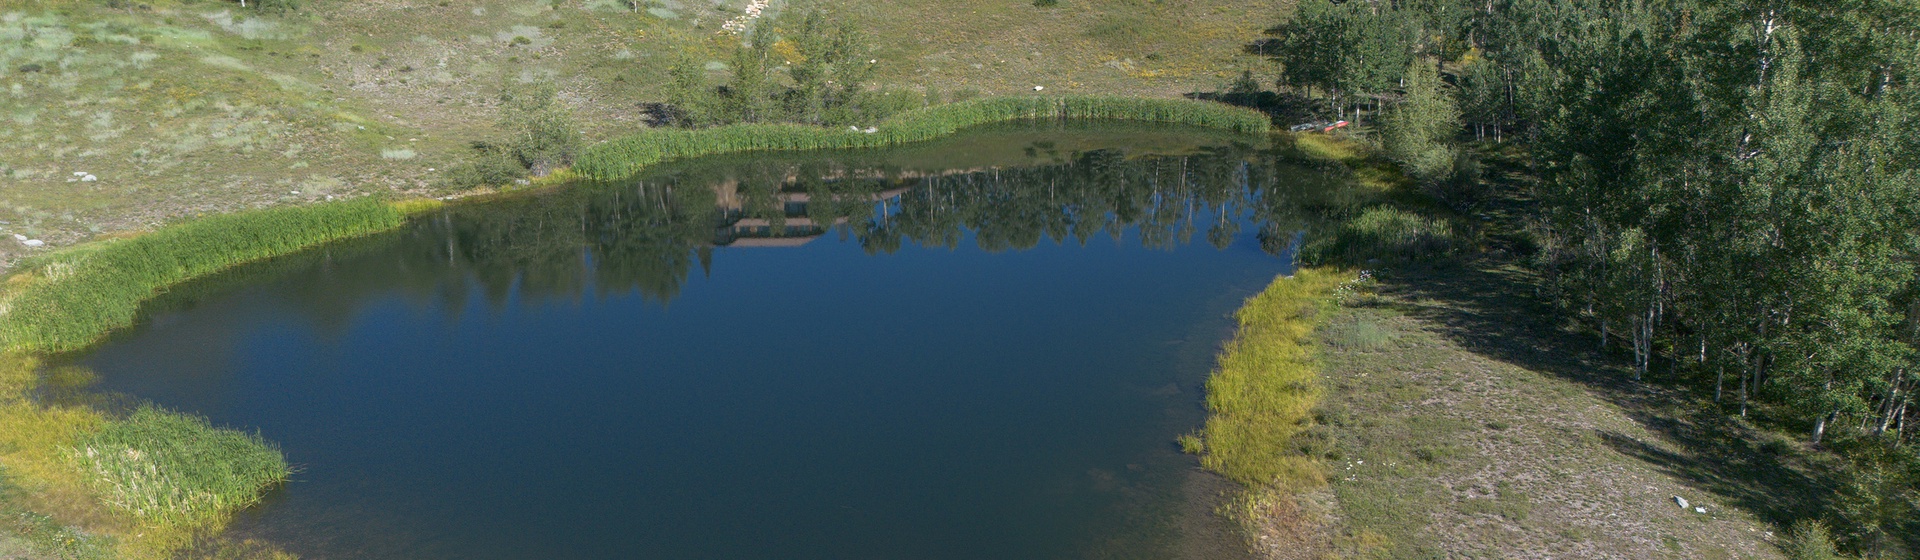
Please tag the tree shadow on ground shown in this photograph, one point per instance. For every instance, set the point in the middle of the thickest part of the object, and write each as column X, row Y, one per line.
column 1492, row 308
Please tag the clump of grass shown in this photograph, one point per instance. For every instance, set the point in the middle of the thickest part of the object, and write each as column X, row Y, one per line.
column 172, row 469
column 1810, row 540
column 1361, row 335
column 626, row 156
column 1382, row 232
column 1508, row 502
column 1267, row 384
column 68, row 299
column 418, row 206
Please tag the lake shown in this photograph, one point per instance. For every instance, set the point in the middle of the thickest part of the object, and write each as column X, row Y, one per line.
column 978, row 347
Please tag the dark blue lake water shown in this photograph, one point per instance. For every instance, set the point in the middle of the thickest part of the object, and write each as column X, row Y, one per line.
column 982, row 347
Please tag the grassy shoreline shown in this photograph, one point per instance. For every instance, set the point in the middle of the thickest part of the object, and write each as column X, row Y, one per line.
column 628, row 155
column 155, row 483
column 68, row 300
column 1266, row 386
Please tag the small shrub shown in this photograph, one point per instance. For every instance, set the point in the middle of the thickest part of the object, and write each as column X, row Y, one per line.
column 490, row 166
column 1045, row 3
column 540, row 131
column 1810, row 540
column 1385, row 233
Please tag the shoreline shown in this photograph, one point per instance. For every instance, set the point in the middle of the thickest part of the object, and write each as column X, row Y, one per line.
column 70, row 299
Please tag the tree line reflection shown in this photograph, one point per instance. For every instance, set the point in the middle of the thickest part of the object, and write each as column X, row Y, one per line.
column 648, row 236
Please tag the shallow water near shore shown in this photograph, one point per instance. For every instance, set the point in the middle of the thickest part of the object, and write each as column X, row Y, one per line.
column 980, row 347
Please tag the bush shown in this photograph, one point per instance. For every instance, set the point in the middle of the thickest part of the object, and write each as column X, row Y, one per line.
column 1384, row 233
column 1810, row 540
column 490, row 166
column 540, row 131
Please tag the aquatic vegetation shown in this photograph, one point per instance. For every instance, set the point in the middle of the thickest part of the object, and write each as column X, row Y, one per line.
column 626, row 156
column 77, row 483
column 1266, row 386
column 172, row 469
column 68, row 299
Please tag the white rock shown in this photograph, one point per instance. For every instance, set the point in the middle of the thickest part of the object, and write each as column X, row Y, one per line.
column 1681, row 501
column 89, row 178
column 871, row 130
column 33, row 243
column 79, row 173
column 1038, row 88
column 294, row 192
column 18, row 237
column 1699, row 510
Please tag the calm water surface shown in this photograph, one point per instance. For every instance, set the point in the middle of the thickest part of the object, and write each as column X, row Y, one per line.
column 975, row 348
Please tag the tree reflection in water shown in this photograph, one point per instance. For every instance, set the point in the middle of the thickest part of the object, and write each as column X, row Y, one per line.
column 646, row 235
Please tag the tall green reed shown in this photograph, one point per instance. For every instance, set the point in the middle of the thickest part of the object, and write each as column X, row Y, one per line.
column 623, row 157
column 69, row 299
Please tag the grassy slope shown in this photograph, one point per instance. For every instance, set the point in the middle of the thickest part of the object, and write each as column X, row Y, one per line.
column 1457, row 421
column 188, row 107
column 1461, row 426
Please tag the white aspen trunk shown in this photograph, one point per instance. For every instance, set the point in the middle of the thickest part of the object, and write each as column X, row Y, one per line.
column 1820, row 428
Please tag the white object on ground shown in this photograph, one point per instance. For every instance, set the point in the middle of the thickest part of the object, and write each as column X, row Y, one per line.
column 1038, row 88
column 1681, row 501
column 89, row 178
column 1699, row 510
column 33, row 243
column 738, row 25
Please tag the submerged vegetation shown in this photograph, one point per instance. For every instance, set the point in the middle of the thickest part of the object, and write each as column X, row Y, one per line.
column 69, row 299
